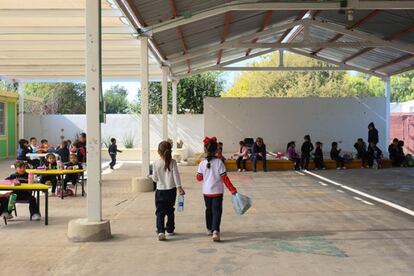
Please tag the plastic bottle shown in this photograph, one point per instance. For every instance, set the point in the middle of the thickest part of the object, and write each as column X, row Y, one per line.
column 12, row 201
column 30, row 179
column 59, row 165
column 180, row 203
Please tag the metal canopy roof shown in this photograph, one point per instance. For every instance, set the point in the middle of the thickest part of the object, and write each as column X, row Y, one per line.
column 375, row 37
column 44, row 40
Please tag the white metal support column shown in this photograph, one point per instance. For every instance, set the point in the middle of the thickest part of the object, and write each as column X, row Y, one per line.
column 93, row 91
column 21, row 110
column 174, row 112
column 164, row 103
column 145, row 107
column 387, row 82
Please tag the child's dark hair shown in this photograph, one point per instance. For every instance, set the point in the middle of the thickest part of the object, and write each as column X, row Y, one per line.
column 32, row 138
column 22, row 143
column 307, row 137
column 400, row 143
column 395, row 140
column 318, row 143
column 77, row 144
column 50, row 155
column 164, row 150
column 43, row 141
column 242, row 143
column 113, row 140
column 360, row 140
column 211, row 148
column 289, row 144
column 334, row 144
column 19, row 164
column 65, row 143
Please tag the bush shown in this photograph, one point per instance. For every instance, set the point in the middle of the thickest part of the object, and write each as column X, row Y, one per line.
column 128, row 141
column 106, row 141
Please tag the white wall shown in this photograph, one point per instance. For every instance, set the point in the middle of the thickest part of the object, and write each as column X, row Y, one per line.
column 190, row 128
column 280, row 120
column 403, row 107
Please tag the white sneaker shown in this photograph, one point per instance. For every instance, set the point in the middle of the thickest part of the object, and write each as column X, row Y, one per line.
column 161, row 237
column 216, row 236
column 239, row 170
column 344, row 168
column 170, row 234
column 209, row 233
column 36, row 217
column 243, row 170
column 338, row 168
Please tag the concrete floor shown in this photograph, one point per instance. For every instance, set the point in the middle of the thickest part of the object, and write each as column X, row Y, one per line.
column 296, row 227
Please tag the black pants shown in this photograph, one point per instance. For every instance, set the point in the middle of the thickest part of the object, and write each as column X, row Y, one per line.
column 4, row 202
column 257, row 157
column 73, row 178
column 164, row 203
column 296, row 161
column 51, row 178
column 319, row 162
column 305, row 161
column 340, row 162
column 363, row 157
column 113, row 160
column 27, row 196
column 214, row 209
column 241, row 162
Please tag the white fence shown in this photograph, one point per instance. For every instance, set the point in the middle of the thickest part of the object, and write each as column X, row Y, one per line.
column 119, row 126
column 280, row 120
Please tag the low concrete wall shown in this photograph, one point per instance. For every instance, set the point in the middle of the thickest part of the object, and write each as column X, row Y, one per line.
column 190, row 128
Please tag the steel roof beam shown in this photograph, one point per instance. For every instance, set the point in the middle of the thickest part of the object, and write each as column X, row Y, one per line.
column 359, row 44
column 391, row 37
column 226, row 27
column 264, row 6
column 287, row 32
column 179, row 31
column 264, row 24
column 280, row 68
column 204, row 50
column 393, row 62
column 354, row 26
column 363, row 36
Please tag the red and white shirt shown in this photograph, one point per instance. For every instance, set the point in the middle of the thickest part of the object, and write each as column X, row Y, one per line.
column 214, row 177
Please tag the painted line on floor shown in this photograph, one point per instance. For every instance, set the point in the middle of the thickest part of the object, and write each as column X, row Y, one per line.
column 374, row 198
column 299, row 173
column 340, row 191
column 367, row 202
column 323, row 184
column 357, row 198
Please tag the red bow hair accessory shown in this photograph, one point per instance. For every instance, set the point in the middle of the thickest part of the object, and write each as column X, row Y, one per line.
column 208, row 139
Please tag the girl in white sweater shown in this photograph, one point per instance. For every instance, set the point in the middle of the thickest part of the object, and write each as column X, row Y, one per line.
column 167, row 177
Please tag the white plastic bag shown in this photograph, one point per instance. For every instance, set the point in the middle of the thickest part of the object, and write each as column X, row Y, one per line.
column 241, row 203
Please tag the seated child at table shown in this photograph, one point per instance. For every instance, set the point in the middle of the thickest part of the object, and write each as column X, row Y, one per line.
column 335, row 155
column 22, row 176
column 50, row 164
column 44, row 146
column 73, row 164
column 22, row 150
column 318, row 160
column 33, row 144
column 79, row 150
column 63, row 151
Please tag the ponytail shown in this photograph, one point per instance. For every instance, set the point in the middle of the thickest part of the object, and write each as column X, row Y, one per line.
column 210, row 148
column 164, row 150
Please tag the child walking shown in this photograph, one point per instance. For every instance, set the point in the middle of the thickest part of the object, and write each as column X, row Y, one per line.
column 212, row 173
column 167, row 177
column 113, row 150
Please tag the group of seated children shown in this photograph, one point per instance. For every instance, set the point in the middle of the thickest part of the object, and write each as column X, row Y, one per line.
column 370, row 156
column 396, row 152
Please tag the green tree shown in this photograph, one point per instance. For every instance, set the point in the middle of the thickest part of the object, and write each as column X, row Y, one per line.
column 116, row 101
column 59, row 98
column 190, row 94
column 310, row 84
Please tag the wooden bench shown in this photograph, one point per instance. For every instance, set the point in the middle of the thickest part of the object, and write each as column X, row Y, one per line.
column 283, row 165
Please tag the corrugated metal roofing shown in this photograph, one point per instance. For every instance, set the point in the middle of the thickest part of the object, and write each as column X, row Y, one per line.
column 384, row 24
column 44, row 40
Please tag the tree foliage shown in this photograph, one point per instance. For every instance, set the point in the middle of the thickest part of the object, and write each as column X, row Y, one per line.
column 190, row 94
column 59, row 98
column 116, row 101
column 314, row 83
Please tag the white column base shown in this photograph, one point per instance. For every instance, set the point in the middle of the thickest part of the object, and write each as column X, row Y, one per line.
column 82, row 230
column 141, row 185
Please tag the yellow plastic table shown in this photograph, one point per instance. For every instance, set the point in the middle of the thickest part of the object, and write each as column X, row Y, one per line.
column 61, row 173
column 32, row 188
